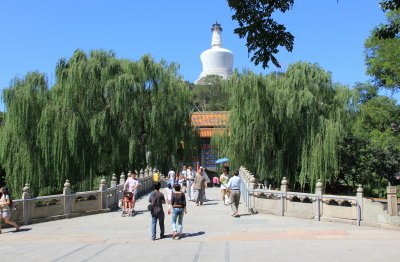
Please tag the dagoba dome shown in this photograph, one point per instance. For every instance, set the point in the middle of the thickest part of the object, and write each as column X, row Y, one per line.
column 216, row 60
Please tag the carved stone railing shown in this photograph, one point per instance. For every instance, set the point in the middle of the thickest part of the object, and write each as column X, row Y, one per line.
column 39, row 209
column 356, row 210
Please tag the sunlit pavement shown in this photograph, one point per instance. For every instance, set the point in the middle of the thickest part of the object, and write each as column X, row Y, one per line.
column 211, row 235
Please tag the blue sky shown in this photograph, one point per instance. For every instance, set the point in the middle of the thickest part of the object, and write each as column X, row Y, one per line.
column 35, row 34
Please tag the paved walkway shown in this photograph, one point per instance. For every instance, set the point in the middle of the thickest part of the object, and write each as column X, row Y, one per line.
column 212, row 235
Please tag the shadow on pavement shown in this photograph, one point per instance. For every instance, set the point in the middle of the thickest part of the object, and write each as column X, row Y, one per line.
column 194, row 234
column 20, row 230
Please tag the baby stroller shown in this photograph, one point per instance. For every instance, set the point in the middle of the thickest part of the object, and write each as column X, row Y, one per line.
column 127, row 204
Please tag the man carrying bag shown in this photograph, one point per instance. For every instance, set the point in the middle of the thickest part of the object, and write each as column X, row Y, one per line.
column 157, row 213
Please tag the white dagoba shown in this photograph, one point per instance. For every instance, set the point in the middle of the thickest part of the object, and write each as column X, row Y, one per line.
column 217, row 60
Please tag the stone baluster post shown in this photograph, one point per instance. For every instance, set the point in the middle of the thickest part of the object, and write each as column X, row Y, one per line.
column 26, row 194
column 147, row 172
column 122, row 179
column 141, row 175
column 103, row 193
column 360, row 204
column 284, row 188
column 114, row 184
column 392, row 200
column 67, row 198
column 114, row 181
column 121, row 183
column 318, row 192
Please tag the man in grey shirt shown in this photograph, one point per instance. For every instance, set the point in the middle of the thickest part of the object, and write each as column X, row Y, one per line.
column 199, row 186
column 234, row 189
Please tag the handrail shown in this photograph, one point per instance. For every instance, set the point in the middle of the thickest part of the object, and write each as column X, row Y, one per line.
column 70, row 195
column 302, row 194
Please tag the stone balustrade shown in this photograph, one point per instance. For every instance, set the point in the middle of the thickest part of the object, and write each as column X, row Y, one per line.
column 351, row 209
column 33, row 210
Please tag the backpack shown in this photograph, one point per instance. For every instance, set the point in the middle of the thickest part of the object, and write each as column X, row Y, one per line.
column 155, row 208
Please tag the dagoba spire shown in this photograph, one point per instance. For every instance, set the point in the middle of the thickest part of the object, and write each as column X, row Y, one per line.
column 216, row 41
column 216, row 60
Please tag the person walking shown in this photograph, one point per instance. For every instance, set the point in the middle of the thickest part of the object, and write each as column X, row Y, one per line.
column 178, row 208
column 156, row 177
column 5, row 203
column 224, row 179
column 157, row 213
column 131, row 185
column 199, row 186
column 234, row 190
column 190, row 180
column 168, row 194
column 203, row 173
column 171, row 175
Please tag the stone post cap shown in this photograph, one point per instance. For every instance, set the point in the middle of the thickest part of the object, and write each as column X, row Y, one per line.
column 319, row 184
column 103, row 180
column 360, row 189
column 284, row 182
column 67, row 184
column 154, row 169
column 114, row 177
column 26, row 188
column 252, row 179
column 123, row 175
column 391, row 189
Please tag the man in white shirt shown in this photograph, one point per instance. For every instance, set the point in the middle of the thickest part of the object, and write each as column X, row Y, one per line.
column 184, row 179
column 171, row 175
column 190, row 179
column 234, row 189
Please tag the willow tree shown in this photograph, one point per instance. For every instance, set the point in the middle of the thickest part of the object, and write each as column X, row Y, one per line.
column 286, row 125
column 103, row 115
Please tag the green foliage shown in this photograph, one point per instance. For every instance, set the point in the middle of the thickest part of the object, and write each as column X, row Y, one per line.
column 382, row 57
column 392, row 28
column 103, row 115
column 287, row 124
column 263, row 34
column 209, row 94
column 370, row 153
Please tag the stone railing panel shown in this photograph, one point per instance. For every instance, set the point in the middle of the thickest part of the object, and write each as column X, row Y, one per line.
column 86, row 202
column 46, row 206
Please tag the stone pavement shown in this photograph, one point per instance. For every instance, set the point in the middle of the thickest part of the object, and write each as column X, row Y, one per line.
column 212, row 235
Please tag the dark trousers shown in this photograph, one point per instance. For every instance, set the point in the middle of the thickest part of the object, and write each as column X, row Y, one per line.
column 154, row 218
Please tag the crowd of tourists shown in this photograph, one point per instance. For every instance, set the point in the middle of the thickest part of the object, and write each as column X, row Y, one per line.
column 179, row 184
column 193, row 184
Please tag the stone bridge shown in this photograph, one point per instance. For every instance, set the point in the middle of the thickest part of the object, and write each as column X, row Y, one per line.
column 211, row 234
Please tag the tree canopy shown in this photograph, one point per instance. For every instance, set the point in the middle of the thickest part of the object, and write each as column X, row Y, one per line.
column 287, row 125
column 265, row 36
column 102, row 115
column 382, row 57
column 209, row 94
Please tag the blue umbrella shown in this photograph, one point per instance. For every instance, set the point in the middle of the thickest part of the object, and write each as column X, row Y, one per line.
column 221, row 160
